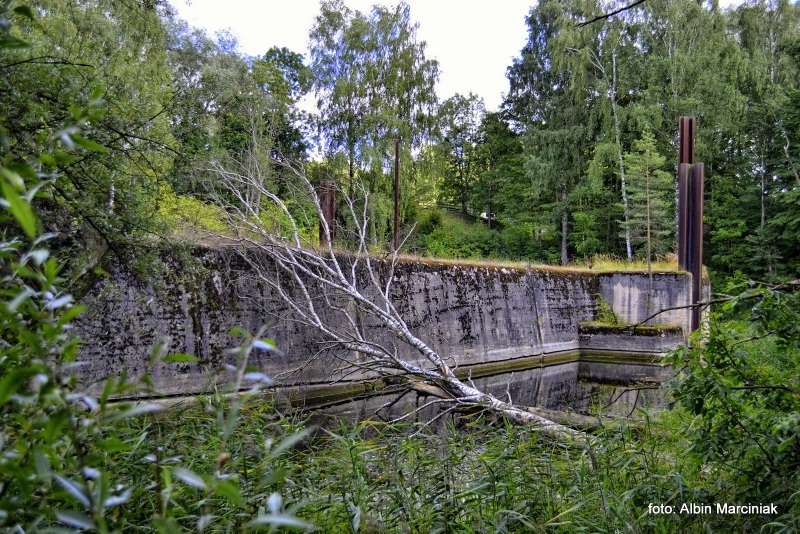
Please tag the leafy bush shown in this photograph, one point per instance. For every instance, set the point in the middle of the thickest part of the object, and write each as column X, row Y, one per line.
column 451, row 237
column 68, row 453
column 66, row 450
column 188, row 212
column 742, row 390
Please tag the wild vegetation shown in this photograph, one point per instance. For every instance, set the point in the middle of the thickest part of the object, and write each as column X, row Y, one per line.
column 117, row 118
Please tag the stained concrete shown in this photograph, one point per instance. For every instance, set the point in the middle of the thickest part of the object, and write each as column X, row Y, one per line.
column 470, row 314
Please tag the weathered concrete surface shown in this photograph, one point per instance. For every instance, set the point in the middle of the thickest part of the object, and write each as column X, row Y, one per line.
column 648, row 339
column 469, row 314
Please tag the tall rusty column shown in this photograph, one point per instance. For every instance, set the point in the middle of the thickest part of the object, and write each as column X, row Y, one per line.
column 327, row 202
column 690, row 212
column 686, row 134
column 694, row 247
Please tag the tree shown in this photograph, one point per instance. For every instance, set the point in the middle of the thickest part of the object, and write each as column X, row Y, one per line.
column 460, row 120
column 501, row 187
column 551, row 111
column 374, row 86
column 651, row 217
column 107, row 53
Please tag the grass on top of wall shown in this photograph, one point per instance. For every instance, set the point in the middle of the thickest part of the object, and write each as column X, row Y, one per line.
column 597, row 264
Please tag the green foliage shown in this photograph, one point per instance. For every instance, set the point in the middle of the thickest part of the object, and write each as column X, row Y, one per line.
column 374, row 85
column 460, row 120
column 604, row 313
column 742, row 393
column 449, row 236
column 67, row 448
column 71, row 456
column 186, row 212
column 582, row 97
column 475, row 475
column 651, row 193
column 101, row 67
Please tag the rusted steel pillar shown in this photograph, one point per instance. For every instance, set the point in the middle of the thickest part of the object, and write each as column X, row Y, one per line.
column 694, row 251
column 327, row 201
column 684, row 177
column 686, row 135
column 690, row 212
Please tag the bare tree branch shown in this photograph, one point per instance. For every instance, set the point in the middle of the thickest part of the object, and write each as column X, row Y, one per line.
column 334, row 292
column 610, row 14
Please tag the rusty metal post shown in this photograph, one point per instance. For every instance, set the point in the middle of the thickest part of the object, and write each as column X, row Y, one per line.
column 686, row 135
column 327, row 201
column 691, row 186
column 396, row 225
column 684, row 176
column 695, row 238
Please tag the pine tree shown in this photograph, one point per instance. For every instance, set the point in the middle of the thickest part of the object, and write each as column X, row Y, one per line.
column 651, row 191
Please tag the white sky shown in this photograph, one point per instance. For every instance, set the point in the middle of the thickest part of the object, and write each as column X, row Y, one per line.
column 473, row 40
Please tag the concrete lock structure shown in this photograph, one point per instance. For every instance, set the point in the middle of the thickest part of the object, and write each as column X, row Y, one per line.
column 532, row 333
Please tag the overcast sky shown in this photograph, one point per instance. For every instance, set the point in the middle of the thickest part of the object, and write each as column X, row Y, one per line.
column 473, row 40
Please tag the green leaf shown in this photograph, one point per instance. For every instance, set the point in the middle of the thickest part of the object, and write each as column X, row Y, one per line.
column 74, row 489
column 113, row 444
column 9, row 41
column 70, row 314
column 180, row 358
column 88, row 144
column 20, row 209
column 290, row 442
column 12, row 381
column 21, row 297
column 13, row 177
column 55, row 423
column 60, row 302
column 227, row 489
column 39, row 255
column 280, row 520
column 237, row 331
column 42, row 464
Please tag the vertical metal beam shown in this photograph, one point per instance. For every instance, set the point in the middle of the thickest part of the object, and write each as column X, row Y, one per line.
column 327, row 201
column 691, row 190
column 695, row 237
column 684, row 173
column 686, row 134
column 396, row 225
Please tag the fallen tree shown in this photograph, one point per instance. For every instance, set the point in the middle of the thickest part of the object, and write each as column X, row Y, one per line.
column 353, row 283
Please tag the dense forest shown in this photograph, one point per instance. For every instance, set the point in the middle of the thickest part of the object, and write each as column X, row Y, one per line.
column 557, row 174
column 117, row 116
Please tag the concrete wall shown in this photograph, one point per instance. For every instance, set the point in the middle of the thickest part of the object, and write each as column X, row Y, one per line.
column 470, row 314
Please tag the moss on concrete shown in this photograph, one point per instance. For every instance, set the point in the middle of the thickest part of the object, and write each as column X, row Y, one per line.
column 601, row 327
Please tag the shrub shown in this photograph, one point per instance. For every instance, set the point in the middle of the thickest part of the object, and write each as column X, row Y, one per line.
column 740, row 386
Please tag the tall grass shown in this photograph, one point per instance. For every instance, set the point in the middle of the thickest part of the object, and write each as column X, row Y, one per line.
column 469, row 475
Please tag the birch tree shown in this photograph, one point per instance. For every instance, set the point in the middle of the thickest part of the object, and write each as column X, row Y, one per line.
column 357, row 287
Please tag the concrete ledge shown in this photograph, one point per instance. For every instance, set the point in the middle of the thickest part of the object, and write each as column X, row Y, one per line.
column 629, row 338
